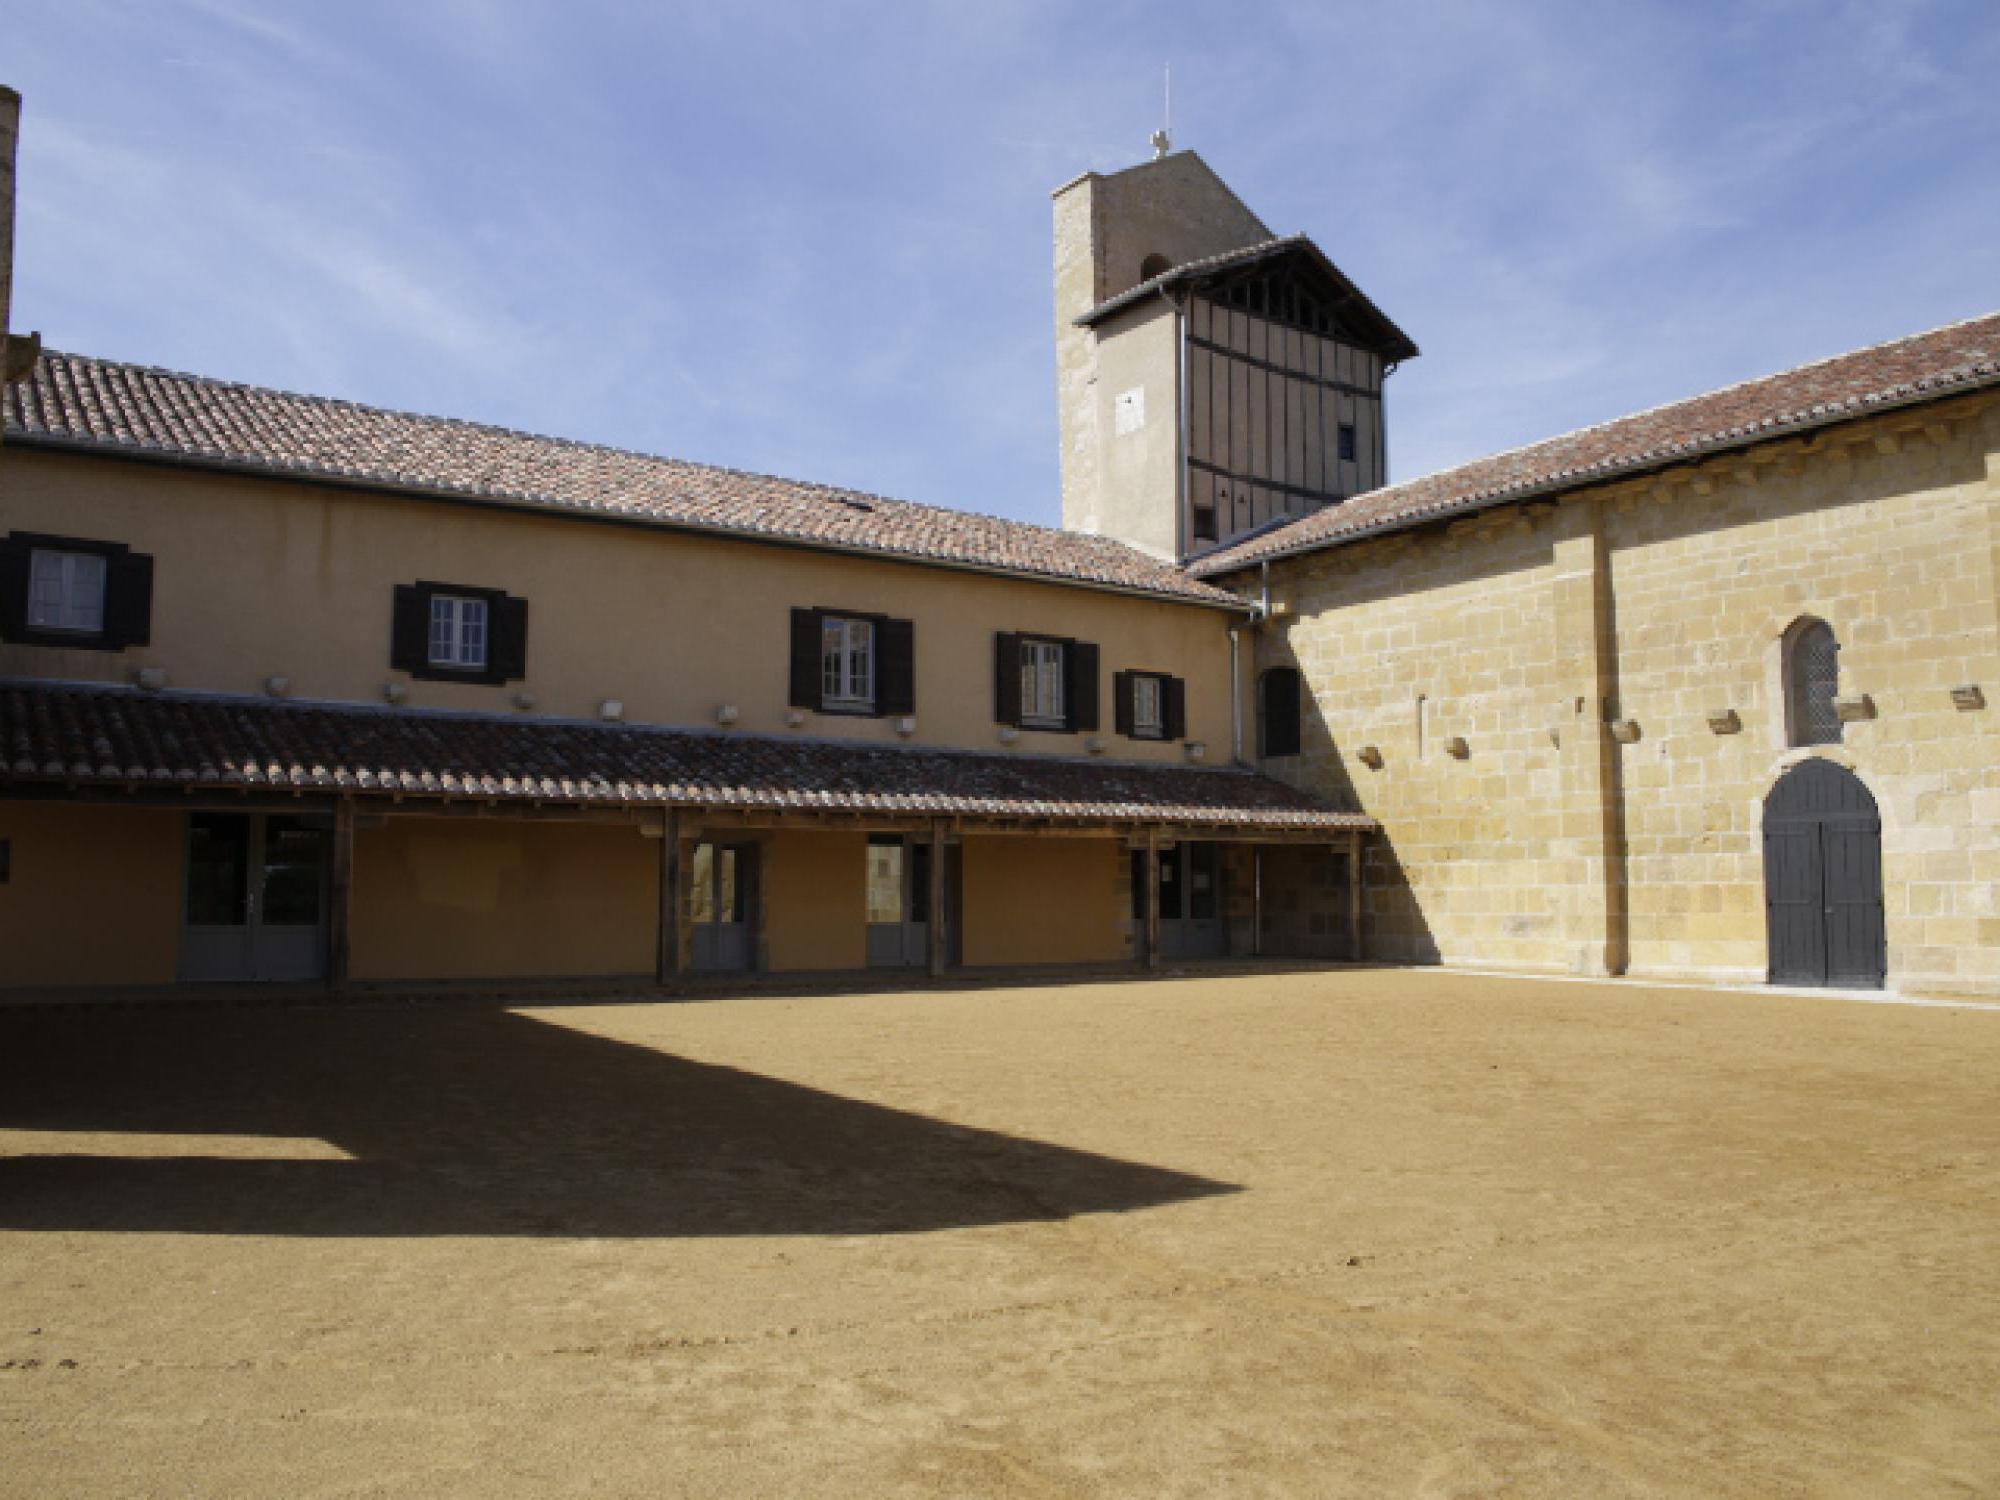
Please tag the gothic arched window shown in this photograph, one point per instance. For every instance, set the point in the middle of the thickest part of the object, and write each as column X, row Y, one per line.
column 1812, row 678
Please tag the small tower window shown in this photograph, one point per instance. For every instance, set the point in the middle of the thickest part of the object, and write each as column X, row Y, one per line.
column 1154, row 265
column 1812, row 678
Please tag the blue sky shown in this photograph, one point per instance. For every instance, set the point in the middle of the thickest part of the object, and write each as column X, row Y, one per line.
column 813, row 239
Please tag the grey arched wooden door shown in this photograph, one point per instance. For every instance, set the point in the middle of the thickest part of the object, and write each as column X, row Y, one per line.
column 1823, row 878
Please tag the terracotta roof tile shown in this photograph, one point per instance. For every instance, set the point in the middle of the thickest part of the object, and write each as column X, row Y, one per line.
column 107, row 736
column 1926, row 366
column 132, row 410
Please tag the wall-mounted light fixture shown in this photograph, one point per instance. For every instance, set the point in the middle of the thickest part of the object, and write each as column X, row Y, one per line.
column 278, row 687
column 524, row 701
column 394, row 692
column 794, row 717
column 1196, row 750
column 611, row 710
column 907, row 725
column 1009, row 734
column 726, row 714
column 152, row 679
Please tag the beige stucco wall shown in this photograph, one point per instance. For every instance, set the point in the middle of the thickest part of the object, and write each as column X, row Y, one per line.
column 1044, row 901
column 1137, row 474
column 466, row 898
column 1524, row 852
column 94, row 897
column 256, row 578
column 815, row 900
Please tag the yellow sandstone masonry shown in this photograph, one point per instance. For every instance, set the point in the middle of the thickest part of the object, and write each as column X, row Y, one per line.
column 1593, row 819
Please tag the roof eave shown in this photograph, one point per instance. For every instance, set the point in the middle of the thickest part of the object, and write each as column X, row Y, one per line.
column 529, row 505
column 1635, row 469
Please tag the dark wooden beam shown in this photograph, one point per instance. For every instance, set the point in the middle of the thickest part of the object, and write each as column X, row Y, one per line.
column 668, row 966
column 1354, row 897
column 1151, row 865
column 340, row 897
column 935, row 930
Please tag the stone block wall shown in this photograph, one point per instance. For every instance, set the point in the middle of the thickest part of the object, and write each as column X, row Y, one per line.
column 1538, row 683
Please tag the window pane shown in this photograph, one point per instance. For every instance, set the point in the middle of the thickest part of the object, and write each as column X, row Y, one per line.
column 701, row 884
column 66, row 590
column 885, row 882
column 472, row 632
column 218, row 869
column 443, row 627
column 1815, row 674
column 294, row 857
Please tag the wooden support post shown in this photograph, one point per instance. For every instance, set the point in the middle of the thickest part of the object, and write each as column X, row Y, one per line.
column 340, row 897
column 1354, row 897
column 1151, row 867
column 668, row 966
column 1257, row 900
column 935, row 931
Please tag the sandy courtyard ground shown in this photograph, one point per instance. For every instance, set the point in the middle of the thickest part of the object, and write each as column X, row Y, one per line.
column 1369, row 1234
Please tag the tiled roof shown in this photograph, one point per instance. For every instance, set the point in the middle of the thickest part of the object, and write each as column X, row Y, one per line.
column 135, row 411
column 1377, row 326
column 1924, row 367
column 121, row 737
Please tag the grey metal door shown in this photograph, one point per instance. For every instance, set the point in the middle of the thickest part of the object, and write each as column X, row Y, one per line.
column 721, row 892
column 1823, row 879
column 256, row 897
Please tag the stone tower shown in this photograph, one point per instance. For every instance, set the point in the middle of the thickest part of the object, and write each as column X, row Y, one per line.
column 1212, row 378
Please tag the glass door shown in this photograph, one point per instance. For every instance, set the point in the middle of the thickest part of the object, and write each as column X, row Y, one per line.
column 719, row 896
column 256, row 897
column 899, row 898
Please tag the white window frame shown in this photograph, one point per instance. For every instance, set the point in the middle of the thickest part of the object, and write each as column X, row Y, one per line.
column 460, row 636
column 67, row 590
column 1149, row 691
column 1044, row 684
column 847, row 664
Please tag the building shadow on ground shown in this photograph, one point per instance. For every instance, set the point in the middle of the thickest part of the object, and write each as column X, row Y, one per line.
column 464, row 1121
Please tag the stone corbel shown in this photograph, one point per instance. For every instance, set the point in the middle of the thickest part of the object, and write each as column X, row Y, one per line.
column 1724, row 721
column 1625, row 731
column 1967, row 697
column 1854, row 707
column 1370, row 756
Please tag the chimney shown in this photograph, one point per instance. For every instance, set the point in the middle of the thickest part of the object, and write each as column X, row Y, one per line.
column 17, row 355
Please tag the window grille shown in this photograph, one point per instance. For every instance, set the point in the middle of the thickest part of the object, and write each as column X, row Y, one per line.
column 847, row 662
column 1041, row 682
column 458, row 632
column 66, row 591
column 1812, row 680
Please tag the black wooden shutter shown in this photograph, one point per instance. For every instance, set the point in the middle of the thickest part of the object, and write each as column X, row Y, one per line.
column 1006, row 677
column 1121, row 702
column 128, row 599
column 805, row 659
column 1173, row 707
column 410, row 629
column 1080, row 660
column 895, row 667
column 14, row 558
column 507, row 658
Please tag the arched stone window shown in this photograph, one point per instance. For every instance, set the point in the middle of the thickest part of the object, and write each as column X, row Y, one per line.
column 1154, row 265
column 1812, row 678
column 1278, row 712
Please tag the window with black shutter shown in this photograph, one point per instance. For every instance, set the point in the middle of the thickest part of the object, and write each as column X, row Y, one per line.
column 1045, row 682
column 1149, row 705
column 1278, row 707
column 77, row 592
column 846, row 662
column 455, row 632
